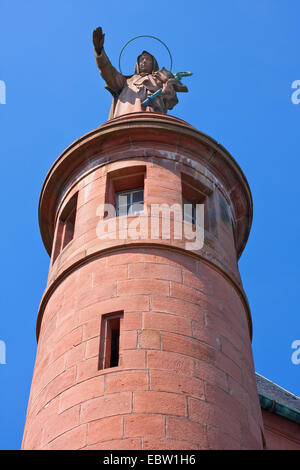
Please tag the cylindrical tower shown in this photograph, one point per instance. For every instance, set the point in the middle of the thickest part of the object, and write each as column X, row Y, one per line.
column 144, row 340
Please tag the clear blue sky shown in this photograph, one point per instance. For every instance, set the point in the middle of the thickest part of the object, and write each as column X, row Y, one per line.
column 244, row 55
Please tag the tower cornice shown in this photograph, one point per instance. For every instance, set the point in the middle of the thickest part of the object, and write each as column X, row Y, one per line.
column 132, row 135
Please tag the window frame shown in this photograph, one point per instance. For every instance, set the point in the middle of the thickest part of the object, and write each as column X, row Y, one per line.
column 129, row 205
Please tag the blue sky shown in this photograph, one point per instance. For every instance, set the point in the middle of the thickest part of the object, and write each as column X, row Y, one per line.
column 244, row 55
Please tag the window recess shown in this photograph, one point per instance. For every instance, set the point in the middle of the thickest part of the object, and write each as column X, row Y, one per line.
column 65, row 227
column 193, row 192
column 125, row 189
column 110, row 340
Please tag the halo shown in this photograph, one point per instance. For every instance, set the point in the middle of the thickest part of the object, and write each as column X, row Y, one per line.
column 145, row 36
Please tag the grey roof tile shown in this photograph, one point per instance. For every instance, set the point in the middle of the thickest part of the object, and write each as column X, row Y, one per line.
column 275, row 392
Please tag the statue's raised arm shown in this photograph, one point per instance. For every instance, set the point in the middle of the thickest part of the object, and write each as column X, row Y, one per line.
column 114, row 80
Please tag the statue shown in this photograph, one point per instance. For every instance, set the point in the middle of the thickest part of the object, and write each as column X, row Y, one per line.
column 149, row 89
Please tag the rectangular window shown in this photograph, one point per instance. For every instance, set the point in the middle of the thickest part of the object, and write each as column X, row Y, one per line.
column 110, row 340
column 65, row 227
column 68, row 227
column 189, row 211
column 130, row 202
column 125, row 189
column 193, row 192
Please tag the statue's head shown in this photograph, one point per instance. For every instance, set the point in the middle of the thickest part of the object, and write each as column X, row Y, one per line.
column 146, row 63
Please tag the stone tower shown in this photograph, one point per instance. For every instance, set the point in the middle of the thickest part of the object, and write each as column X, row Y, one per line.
column 144, row 343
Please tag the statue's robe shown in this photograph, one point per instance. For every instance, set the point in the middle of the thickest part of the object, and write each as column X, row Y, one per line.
column 129, row 92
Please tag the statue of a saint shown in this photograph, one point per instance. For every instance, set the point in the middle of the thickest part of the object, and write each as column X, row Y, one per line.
column 129, row 92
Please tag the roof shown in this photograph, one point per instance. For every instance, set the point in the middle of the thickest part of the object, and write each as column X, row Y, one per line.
column 277, row 400
column 274, row 392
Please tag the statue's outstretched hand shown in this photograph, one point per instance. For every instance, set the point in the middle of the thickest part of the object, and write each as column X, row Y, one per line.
column 98, row 39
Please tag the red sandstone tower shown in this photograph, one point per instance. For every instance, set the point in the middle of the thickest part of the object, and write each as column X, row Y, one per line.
column 143, row 343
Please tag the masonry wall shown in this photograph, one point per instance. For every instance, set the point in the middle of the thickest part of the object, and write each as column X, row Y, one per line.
column 183, row 379
column 280, row 433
